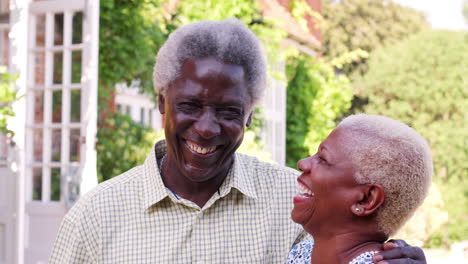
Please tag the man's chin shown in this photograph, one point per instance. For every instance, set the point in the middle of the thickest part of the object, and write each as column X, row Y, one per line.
column 196, row 174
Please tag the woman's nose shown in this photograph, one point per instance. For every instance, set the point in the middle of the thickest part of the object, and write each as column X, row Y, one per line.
column 305, row 164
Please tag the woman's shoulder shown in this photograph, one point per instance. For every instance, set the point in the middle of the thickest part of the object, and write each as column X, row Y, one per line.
column 301, row 253
column 364, row 258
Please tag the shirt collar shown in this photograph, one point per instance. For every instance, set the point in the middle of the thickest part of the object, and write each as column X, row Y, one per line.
column 153, row 186
column 239, row 177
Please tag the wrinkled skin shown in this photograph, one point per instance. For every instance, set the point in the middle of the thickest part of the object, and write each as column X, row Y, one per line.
column 206, row 110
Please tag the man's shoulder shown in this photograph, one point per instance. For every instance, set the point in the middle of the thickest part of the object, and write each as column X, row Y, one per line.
column 105, row 191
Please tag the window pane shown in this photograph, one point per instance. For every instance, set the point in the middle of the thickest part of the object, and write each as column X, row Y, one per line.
column 127, row 110
column 55, row 180
column 57, row 106
column 142, row 115
column 56, row 144
column 40, row 30
column 76, row 66
column 3, row 147
column 77, row 28
column 38, row 107
column 150, row 118
column 37, row 145
column 58, row 63
column 75, row 145
column 75, row 114
column 37, row 183
column 58, row 29
column 39, row 68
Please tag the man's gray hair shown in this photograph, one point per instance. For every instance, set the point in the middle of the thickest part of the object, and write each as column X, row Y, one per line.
column 229, row 40
column 390, row 153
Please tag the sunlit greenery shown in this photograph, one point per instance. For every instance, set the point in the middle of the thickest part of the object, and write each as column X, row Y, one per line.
column 316, row 96
column 8, row 95
column 423, row 82
column 366, row 25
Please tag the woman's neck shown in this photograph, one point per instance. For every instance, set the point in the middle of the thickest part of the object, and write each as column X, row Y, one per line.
column 345, row 247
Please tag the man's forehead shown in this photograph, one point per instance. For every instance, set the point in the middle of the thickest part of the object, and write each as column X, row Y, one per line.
column 211, row 68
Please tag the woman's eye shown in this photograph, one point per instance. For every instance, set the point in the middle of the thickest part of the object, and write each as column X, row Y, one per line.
column 321, row 159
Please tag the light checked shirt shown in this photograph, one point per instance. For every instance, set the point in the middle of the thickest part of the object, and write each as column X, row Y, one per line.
column 134, row 218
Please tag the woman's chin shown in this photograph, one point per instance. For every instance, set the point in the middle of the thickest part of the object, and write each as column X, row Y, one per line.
column 301, row 215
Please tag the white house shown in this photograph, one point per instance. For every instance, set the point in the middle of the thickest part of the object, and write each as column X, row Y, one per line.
column 53, row 46
column 130, row 100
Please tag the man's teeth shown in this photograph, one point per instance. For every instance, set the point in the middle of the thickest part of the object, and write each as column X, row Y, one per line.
column 200, row 149
column 304, row 190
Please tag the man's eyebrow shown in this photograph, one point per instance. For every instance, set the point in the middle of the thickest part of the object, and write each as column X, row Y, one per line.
column 188, row 97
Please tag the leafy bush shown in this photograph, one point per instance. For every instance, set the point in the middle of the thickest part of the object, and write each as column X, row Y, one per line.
column 423, row 82
column 316, row 96
column 253, row 147
column 8, row 95
column 122, row 145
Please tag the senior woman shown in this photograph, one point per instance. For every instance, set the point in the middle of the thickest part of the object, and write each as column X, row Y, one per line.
column 365, row 181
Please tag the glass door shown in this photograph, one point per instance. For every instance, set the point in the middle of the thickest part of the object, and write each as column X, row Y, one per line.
column 61, row 114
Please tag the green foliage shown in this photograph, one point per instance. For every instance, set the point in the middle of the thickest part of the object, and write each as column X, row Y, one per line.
column 423, row 82
column 366, row 25
column 128, row 42
column 316, row 96
column 122, row 144
column 253, row 147
column 8, row 95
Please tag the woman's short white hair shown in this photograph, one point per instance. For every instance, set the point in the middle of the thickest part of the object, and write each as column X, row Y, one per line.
column 387, row 152
column 228, row 40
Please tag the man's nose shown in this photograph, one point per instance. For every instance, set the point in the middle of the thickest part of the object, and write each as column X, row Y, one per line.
column 207, row 125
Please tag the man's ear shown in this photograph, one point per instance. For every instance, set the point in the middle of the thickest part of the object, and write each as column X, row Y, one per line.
column 371, row 198
column 249, row 120
column 161, row 104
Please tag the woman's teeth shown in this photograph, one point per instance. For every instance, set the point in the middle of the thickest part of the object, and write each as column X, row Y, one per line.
column 200, row 149
column 304, row 191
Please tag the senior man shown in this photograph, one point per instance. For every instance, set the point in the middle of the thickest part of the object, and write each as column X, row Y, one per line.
column 195, row 200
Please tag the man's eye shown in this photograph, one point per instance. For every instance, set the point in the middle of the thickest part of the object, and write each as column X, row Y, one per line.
column 230, row 113
column 186, row 107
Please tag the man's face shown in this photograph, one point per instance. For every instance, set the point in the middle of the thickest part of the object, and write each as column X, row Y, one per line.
column 206, row 110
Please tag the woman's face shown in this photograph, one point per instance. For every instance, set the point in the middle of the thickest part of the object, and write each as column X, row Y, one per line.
column 325, row 186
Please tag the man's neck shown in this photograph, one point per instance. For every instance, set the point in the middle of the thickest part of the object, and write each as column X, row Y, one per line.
column 345, row 247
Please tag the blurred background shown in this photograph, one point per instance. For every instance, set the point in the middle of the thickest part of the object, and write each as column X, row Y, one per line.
column 77, row 106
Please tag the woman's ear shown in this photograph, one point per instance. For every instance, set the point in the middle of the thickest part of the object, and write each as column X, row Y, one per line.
column 161, row 104
column 372, row 196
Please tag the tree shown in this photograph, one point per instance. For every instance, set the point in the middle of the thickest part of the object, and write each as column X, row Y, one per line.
column 423, row 82
column 366, row 25
column 316, row 97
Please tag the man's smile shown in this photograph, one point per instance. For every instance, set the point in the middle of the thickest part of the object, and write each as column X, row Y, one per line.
column 200, row 149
